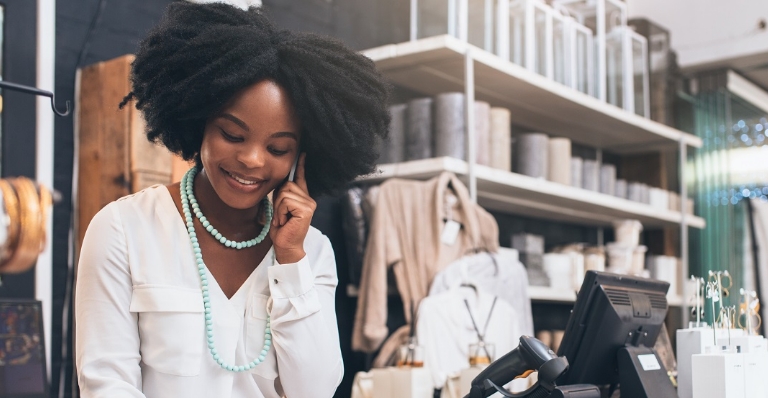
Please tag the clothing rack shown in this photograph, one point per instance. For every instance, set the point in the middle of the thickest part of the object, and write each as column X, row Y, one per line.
column 37, row 91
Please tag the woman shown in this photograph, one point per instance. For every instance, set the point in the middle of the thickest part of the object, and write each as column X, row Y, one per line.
column 206, row 288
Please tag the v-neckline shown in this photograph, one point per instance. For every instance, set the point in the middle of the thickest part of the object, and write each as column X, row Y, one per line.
column 181, row 224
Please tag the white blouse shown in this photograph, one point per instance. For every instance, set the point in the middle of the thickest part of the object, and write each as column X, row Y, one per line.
column 140, row 329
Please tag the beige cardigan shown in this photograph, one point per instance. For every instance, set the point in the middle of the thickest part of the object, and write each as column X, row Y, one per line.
column 405, row 235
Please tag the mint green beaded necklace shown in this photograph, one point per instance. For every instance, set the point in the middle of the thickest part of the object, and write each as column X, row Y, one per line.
column 187, row 197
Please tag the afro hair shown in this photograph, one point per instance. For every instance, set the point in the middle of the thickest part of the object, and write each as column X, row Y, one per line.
column 200, row 55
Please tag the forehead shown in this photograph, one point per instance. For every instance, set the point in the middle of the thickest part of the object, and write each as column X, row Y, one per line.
column 265, row 105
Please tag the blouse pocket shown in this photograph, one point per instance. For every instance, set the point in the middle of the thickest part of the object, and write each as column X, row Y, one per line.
column 171, row 328
column 254, row 341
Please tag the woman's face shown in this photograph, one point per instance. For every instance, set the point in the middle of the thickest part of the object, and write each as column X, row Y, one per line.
column 250, row 145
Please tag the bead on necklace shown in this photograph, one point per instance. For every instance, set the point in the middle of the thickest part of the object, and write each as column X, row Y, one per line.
column 202, row 271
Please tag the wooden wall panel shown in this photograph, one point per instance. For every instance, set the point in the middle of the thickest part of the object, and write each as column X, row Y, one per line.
column 115, row 157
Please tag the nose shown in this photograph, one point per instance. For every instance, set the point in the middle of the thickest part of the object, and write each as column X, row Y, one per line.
column 252, row 156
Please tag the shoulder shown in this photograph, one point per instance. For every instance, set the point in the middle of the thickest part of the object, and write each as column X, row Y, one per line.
column 146, row 198
column 131, row 208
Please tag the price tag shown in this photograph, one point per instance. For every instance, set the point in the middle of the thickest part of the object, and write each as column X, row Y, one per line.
column 450, row 232
column 649, row 362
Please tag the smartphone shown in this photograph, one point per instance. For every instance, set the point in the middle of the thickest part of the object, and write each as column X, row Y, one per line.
column 292, row 174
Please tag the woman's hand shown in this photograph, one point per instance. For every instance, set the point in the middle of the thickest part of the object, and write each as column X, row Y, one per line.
column 293, row 213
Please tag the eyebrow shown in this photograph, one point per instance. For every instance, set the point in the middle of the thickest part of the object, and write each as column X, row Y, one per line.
column 236, row 121
column 244, row 126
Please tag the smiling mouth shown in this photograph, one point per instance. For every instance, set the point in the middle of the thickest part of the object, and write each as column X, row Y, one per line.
column 240, row 180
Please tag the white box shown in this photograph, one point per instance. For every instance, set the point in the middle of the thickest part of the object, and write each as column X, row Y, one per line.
column 691, row 342
column 755, row 372
column 718, row 375
column 395, row 382
column 746, row 343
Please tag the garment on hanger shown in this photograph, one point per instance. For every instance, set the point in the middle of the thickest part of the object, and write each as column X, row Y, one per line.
column 505, row 277
column 405, row 234
column 445, row 329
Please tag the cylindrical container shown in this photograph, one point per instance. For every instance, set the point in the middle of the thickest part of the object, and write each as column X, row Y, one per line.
column 577, row 166
column 450, row 126
column 594, row 259
column 393, row 151
column 559, row 268
column 646, row 193
column 621, row 189
column 608, row 179
column 635, row 192
column 410, row 354
column 659, row 198
column 531, row 154
column 559, row 169
column 481, row 353
column 665, row 268
column 578, row 264
column 638, row 260
column 418, row 139
column 483, row 133
column 590, row 178
column 501, row 139
column 627, row 232
column 619, row 258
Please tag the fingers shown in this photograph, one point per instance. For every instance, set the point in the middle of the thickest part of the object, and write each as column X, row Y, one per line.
column 289, row 205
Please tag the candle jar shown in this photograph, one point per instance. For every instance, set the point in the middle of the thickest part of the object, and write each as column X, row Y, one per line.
column 410, row 354
column 481, row 353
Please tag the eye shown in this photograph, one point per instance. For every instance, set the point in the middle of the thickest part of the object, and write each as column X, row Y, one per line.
column 229, row 137
column 277, row 152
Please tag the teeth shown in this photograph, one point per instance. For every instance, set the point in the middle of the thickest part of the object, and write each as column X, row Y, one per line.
column 240, row 180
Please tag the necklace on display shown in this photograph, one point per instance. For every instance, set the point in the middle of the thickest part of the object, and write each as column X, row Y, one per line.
column 202, row 270
column 188, row 191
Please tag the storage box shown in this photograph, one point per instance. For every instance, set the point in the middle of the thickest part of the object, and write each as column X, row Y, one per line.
column 403, row 382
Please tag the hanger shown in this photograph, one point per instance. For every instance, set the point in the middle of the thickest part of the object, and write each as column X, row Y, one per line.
column 37, row 91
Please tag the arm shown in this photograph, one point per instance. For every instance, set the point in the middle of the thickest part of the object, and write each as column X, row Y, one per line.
column 107, row 337
column 304, row 329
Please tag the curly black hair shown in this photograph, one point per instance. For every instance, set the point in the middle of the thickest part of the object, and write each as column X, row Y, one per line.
column 200, row 55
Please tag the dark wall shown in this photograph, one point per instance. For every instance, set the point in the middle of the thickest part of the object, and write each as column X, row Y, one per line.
column 18, row 115
column 361, row 24
column 116, row 28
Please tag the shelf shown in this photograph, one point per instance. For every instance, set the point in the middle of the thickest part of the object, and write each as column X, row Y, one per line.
column 549, row 294
column 539, row 294
column 546, row 293
column 436, row 65
column 532, row 197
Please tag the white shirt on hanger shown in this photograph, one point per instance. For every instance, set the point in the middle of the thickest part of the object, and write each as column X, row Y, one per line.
column 506, row 278
column 445, row 330
column 140, row 327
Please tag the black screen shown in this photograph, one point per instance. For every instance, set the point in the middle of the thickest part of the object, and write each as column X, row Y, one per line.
column 611, row 311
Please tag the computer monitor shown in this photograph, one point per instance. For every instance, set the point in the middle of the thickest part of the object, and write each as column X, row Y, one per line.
column 22, row 350
column 611, row 332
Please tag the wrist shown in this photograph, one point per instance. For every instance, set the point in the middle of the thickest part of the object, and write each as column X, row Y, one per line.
column 289, row 256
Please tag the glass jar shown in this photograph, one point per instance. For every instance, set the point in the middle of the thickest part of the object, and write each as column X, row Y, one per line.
column 410, row 354
column 481, row 353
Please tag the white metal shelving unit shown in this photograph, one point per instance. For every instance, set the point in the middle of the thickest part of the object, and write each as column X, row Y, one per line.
column 533, row 197
column 444, row 63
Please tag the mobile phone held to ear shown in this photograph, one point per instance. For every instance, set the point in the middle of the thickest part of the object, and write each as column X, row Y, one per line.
column 292, row 174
